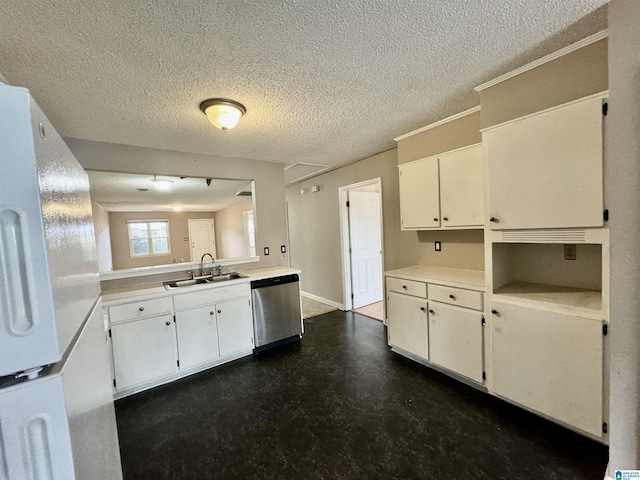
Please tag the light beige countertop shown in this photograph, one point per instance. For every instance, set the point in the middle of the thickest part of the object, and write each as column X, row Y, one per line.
column 451, row 277
column 577, row 301
column 154, row 290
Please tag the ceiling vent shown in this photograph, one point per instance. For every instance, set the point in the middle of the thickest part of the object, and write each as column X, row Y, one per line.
column 301, row 171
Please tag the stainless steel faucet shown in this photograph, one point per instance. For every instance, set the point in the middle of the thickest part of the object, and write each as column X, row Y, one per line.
column 202, row 263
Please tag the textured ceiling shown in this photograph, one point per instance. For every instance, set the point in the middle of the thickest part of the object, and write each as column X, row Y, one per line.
column 324, row 81
column 119, row 192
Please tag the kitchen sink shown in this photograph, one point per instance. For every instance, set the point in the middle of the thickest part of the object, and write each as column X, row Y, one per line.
column 226, row 277
column 189, row 282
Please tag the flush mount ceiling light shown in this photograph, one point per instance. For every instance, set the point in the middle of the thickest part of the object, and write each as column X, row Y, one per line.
column 222, row 112
column 162, row 183
column 177, row 208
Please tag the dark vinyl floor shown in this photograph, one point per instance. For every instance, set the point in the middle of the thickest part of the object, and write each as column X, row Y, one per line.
column 340, row 405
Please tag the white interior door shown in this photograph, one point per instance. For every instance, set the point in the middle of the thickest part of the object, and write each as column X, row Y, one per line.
column 203, row 238
column 366, row 247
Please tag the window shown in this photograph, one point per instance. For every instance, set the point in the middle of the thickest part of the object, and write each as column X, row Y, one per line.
column 148, row 238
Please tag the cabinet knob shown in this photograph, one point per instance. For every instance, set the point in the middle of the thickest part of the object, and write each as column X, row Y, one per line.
column 141, row 309
column 495, row 312
column 404, row 287
column 423, row 309
column 431, row 312
column 494, row 220
column 435, row 219
column 452, row 297
column 212, row 312
column 446, row 219
column 167, row 323
column 219, row 311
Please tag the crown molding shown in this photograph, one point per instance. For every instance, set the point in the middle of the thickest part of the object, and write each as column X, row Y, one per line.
column 548, row 58
column 439, row 122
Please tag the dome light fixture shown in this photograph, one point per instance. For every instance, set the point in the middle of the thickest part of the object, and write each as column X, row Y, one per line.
column 177, row 208
column 162, row 183
column 222, row 112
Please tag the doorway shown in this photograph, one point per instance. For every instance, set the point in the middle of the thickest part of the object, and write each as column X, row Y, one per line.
column 203, row 238
column 361, row 230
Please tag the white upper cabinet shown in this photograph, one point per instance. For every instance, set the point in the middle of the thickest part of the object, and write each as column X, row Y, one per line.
column 546, row 170
column 461, row 188
column 420, row 194
column 443, row 191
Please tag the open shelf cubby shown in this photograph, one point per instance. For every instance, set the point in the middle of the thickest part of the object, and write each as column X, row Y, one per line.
column 538, row 273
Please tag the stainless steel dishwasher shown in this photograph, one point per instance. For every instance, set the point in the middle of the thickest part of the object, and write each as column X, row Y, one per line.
column 277, row 316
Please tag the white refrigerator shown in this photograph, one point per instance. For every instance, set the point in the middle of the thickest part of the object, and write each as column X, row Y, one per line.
column 57, row 419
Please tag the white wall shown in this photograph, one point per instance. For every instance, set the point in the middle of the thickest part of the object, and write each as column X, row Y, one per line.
column 103, row 240
column 269, row 187
column 622, row 198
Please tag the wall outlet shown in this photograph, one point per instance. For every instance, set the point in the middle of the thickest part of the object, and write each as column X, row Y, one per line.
column 266, row 250
column 569, row 252
column 437, row 246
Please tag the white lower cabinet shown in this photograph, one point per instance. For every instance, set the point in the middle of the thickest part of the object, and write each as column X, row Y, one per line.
column 144, row 350
column 550, row 362
column 455, row 339
column 235, row 326
column 407, row 323
column 197, row 335
column 201, row 328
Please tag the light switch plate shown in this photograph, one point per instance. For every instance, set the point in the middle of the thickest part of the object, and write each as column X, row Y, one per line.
column 283, row 249
column 266, row 250
column 438, row 246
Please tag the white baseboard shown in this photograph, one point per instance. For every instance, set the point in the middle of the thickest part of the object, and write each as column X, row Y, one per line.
column 339, row 306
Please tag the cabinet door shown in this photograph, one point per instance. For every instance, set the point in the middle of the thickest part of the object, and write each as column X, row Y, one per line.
column 235, row 326
column 455, row 339
column 197, row 336
column 407, row 323
column 419, row 194
column 144, row 350
column 545, row 171
column 461, row 188
column 550, row 362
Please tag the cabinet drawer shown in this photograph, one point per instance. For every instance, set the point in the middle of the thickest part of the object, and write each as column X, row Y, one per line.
column 139, row 309
column 409, row 287
column 211, row 295
column 456, row 296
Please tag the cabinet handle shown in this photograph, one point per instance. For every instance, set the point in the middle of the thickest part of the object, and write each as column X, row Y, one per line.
column 446, row 219
column 167, row 323
column 435, row 219
column 495, row 312
column 141, row 309
column 452, row 297
column 212, row 312
column 431, row 312
column 219, row 311
column 494, row 220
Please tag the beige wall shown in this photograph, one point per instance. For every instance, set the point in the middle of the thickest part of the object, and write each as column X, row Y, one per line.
column 103, row 238
column 314, row 224
column 229, row 225
column 269, row 187
column 443, row 138
column 178, row 231
column 622, row 198
column 572, row 76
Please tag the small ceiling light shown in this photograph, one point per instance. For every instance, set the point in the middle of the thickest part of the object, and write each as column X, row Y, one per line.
column 162, row 183
column 223, row 113
column 177, row 208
